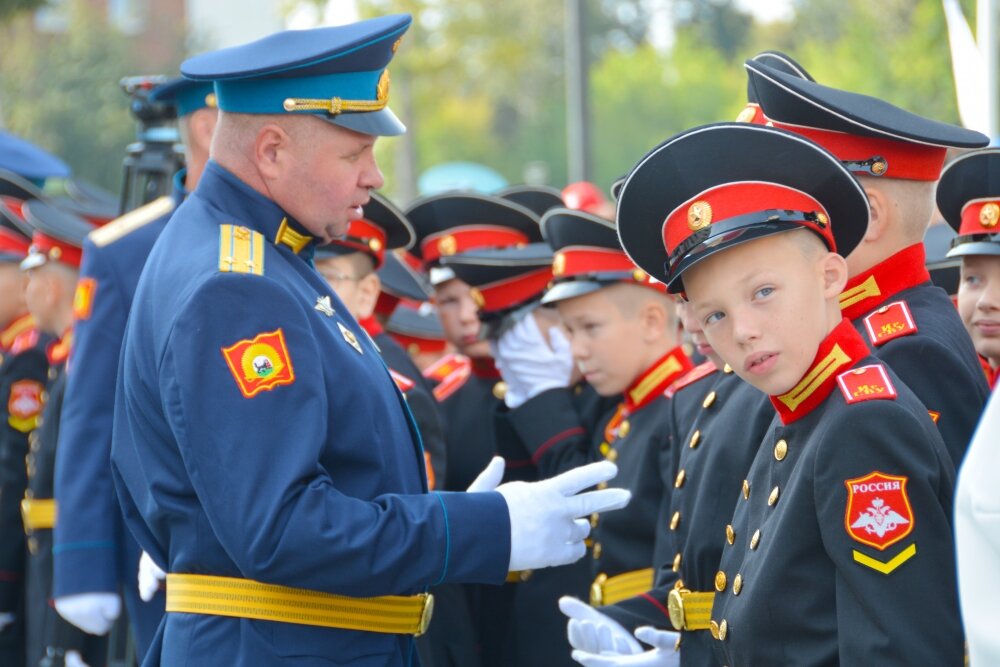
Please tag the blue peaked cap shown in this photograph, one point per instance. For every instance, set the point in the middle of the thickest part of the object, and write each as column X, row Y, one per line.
column 28, row 160
column 187, row 95
column 338, row 74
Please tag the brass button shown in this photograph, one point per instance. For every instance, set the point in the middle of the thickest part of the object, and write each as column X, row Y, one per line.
column 675, row 520
column 595, row 518
column 605, row 448
column 727, row 369
column 737, row 584
column 624, row 428
column 52, row 373
column 720, row 581
column 773, row 498
column 612, row 455
column 32, row 545
column 679, row 480
column 695, row 439
column 755, row 539
column 597, row 550
column 781, row 450
column 707, row 403
column 730, row 534
column 500, row 390
column 723, row 630
column 746, row 490
column 713, row 627
column 601, row 486
column 677, row 563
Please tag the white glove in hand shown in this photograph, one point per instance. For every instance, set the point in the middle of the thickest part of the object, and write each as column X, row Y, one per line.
column 593, row 632
column 94, row 613
column 488, row 479
column 663, row 655
column 530, row 365
column 6, row 618
column 150, row 577
column 74, row 659
column 546, row 528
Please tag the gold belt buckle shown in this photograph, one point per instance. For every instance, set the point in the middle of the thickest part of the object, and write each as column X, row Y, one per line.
column 675, row 607
column 425, row 614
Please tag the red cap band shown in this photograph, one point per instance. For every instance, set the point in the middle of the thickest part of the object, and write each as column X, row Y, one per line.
column 980, row 216
column 506, row 293
column 472, row 237
column 56, row 250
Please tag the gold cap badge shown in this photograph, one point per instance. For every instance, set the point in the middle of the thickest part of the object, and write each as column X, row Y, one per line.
column 989, row 215
column 699, row 215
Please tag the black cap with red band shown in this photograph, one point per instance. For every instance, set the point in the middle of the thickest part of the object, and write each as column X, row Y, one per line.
column 968, row 196
column 383, row 227
column 718, row 185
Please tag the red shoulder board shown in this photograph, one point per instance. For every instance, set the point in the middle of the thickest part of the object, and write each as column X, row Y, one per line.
column 404, row 383
column 878, row 510
column 890, row 321
column 866, row 383
column 24, row 341
column 698, row 372
column 445, row 366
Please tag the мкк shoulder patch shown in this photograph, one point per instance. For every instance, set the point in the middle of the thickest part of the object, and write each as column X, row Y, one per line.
column 866, row 383
column 260, row 363
column 891, row 321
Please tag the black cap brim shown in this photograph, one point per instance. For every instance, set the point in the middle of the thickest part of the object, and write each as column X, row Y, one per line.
column 966, row 178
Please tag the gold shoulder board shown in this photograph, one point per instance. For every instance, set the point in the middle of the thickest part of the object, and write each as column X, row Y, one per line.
column 241, row 250
column 132, row 221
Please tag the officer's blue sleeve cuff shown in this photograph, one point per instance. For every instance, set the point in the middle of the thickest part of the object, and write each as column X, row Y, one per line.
column 84, row 567
column 478, row 538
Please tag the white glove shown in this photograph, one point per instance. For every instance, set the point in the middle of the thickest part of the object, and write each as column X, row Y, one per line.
column 93, row 613
column 593, row 632
column 74, row 659
column 489, row 478
column 546, row 528
column 530, row 365
column 6, row 618
column 663, row 654
column 150, row 577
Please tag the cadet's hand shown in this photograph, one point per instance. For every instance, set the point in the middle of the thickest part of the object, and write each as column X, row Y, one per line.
column 664, row 655
column 93, row 613
column 490, row 477
column 150, row 577
column 593, row 632
column 530, row 365
column 74, row 659
column 6, row 618
column 545, row 525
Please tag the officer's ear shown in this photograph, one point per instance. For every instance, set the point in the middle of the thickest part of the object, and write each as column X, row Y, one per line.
column 272, row 151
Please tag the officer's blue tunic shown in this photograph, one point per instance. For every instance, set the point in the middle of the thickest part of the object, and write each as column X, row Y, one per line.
column 93, row 553
column 317, row 484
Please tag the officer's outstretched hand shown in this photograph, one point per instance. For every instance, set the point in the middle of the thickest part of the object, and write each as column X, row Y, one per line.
column 546, row 528
column 664, row 653
column 94, row 613
column 150, row 577
column 593, row 632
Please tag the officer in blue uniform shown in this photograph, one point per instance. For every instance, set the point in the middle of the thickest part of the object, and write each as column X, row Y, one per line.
column 262, row 453
column 94, row 555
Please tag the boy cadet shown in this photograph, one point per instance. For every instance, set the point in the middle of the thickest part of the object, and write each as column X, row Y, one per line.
column 262, row 446
column 349, row 264
column 416, row 327
column 94, row 556
column 840, row 549
column 623, row 338
column 897, row 156
column 23, row 374
column 968, row 197
column 53, row 269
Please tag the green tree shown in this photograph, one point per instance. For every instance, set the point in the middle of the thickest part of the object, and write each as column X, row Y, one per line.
column 11, row 8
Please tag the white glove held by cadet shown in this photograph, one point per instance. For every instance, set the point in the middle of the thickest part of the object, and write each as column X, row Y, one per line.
column 94, row 613
column 150, row 577
column 74, row 659
column 546, row 524
column 662, row 655
column 593, row 632
column 6, row 618
column 530, row 365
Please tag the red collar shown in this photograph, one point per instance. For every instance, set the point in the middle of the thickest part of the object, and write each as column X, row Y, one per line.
column 58, row 349
column 371, row 325
column 651, row 384
column 868, row 290
column 992, row 374
column 16, row 328
column 841, row 349
column 484, row 367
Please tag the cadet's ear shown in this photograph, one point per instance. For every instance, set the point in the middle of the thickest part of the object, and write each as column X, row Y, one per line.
column 368, row 291
column 269, row 148
column 881, row 209
column 834, row 268
column 655, row 318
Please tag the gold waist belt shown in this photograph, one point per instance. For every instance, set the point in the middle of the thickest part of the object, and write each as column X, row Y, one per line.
column 690, row 610
column 609, row 590
column 38, row 514
column 244, row 598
